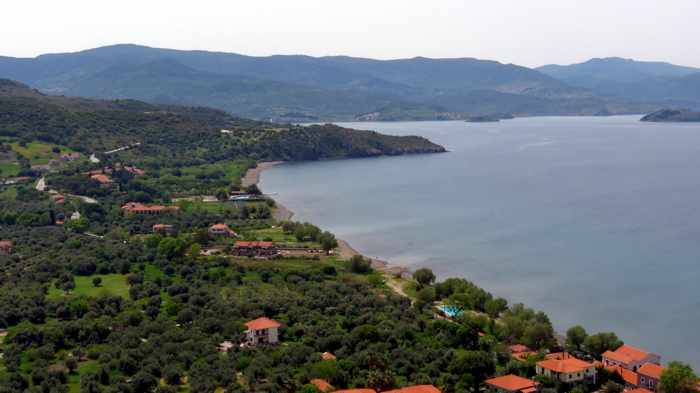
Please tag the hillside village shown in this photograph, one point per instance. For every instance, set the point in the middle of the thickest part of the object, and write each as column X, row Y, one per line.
column 502, row 349
column 150, row 266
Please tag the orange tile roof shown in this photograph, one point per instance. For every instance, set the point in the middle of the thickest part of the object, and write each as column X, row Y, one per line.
column 629, row 376
column 321, row 384
column 101, row 178
column 518, row 348
column 416, row 389
column 651, row 370
column 355, row 391
column 626, row 354
column 511, row 383
column 262, row 323
column 569, row 365
column 254, row 244
column 327, row 356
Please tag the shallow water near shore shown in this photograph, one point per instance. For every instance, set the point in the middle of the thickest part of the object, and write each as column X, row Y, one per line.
column 594, row 220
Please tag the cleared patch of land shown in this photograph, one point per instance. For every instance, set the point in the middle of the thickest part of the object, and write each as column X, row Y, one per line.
column 112, row 285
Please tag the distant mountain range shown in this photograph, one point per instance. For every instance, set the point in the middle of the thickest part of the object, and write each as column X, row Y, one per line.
column 658, row 83
column 303, row 88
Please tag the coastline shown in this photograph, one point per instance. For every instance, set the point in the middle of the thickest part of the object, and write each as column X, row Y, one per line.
column 345, row 249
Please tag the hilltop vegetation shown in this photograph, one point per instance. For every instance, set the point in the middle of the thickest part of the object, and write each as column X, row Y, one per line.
column 303, row 88
column 181, row 135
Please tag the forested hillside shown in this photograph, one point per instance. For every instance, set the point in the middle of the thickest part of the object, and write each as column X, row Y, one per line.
column 183, row 135
column 304, row 88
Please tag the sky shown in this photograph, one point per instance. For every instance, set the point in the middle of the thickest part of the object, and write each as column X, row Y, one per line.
column 525, row 32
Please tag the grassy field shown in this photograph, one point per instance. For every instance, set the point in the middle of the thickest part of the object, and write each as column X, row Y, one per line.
column 8, row 193
column 112, row 284
column 200, row 179
column 39, row 152
column 275, row 234
column 91, row 366
column 9, row 169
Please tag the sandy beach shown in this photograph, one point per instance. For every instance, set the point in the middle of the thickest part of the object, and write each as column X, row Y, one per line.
column 345, row 250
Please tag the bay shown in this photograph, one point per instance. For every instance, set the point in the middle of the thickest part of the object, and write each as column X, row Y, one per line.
column 594, row 220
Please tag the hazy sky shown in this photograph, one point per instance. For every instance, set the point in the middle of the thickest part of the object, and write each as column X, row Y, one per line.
column 527, row 32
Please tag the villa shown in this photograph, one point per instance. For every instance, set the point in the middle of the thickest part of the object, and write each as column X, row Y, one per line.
column 5, row 247
column 630, row 377
column 629, row 357
column 262, row 331
column 141, row 209
column 649, row 376
column 101, row 178
column 254, row 249
column 511, row 384
column 566, row 368
column 164, row 229
column 221, row 230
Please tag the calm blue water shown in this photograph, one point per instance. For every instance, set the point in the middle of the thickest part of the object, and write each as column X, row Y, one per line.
column 593, row 220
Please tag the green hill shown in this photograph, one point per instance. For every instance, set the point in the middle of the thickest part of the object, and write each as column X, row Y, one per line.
column 181, row 135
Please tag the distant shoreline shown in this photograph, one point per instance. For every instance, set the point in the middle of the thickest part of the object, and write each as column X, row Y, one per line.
column 345, row 249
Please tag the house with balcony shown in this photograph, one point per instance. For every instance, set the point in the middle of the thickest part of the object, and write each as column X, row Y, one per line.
column 650, row 376
column 567, row 369
column 629, row 357
column 262, row 331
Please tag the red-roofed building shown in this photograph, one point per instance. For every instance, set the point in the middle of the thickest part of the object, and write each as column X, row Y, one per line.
column 328, row 356
column 416, row 389
column 221, row 230
column 629, row 357
column 321, row 384
column 355, row 391
column 254, row 249
column 567, row 369
column 511, row 384
column 649, row 376
column 101, row 178
column 153, row 210
column 630, row 377
column 165, row 229
column 262, row 331
column 521, row 352
column 5, row 247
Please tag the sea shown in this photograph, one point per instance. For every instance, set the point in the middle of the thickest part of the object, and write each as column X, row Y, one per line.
column 593, row 220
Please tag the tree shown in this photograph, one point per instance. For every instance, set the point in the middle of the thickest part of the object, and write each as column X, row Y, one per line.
column 612, row 387
column 425, row 297
column 97, row 281
column 494, row 307
column 479, row 364
column 360, row 265
column 678, row 378
column 601, row 342
column 222, row 194
column 539, row 335
column 328, row 241
column 424, row 277
column 253, row 190
column 575, row 337
column 72, row 364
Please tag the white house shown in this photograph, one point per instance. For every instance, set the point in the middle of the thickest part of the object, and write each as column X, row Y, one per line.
column 262, row 331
